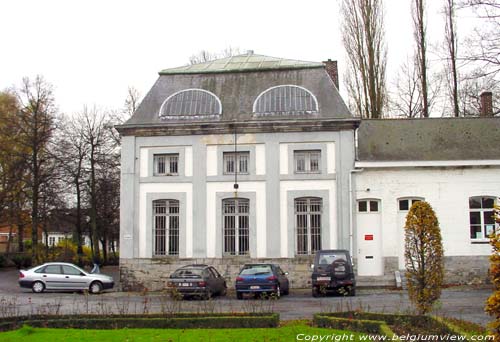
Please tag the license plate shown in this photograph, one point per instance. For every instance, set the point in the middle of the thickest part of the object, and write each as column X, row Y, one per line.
column 323, row 279
column 185, row 284
column 254, row 287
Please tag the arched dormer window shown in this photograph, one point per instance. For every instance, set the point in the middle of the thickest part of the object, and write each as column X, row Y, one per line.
column 191, row 104
column 285, row 100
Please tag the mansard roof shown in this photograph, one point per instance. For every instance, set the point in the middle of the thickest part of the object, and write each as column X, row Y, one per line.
column 230, row 87
column 433, row 139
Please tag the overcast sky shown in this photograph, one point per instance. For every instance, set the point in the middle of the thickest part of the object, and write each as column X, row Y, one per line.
column 92, row 50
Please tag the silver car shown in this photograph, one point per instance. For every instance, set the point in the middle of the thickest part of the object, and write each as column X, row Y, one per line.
column 61, row 276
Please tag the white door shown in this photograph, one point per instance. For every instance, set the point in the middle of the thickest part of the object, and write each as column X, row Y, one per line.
column 369, row 238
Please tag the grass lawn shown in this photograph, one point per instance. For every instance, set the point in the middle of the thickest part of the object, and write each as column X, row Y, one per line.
column 287, row 332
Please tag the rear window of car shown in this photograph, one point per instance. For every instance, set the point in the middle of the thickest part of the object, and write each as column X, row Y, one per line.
column 328, row 258
column 188, row 273
column 256, row 270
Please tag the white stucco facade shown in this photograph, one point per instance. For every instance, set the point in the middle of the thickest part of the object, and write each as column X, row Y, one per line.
column 447, row 189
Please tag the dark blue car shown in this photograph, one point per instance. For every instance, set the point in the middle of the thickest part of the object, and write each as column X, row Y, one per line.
column 262, row 279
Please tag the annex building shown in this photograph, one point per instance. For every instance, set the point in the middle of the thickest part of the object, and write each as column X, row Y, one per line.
column 255, row 158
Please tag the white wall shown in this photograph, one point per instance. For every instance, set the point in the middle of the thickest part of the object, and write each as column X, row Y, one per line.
column 446, row 189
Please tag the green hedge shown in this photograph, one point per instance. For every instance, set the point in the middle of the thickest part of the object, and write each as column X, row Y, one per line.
column 177, row 321
column 352, row 324
column 378, row 323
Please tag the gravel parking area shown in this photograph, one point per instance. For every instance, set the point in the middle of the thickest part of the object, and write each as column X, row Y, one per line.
column 465, row 302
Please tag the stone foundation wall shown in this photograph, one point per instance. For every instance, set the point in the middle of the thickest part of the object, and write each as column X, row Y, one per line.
column 152, row 274
column 459, row 270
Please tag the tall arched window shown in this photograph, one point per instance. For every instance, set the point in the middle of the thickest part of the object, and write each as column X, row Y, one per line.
column 481, row 216
column 284, row 100
column 166, row 227
column 191, row 103
column 308, row 211
column 236, row 226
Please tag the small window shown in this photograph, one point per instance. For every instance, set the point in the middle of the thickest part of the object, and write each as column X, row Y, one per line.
column 362, row 206
column 406, row 203
column 307, row 161
column 368, row 206
column 166, row 164
column 236, row 162
column 481, row 217
column 52, row 240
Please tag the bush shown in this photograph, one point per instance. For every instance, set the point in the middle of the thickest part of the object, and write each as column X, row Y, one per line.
column 21, row 260
column 423, row 256
column 177, row 321
column 493, row 302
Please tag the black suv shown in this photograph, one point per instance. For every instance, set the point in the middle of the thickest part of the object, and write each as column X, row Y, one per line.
column 333, row 271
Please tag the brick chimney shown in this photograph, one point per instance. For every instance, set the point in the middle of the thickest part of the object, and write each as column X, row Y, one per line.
column 486, row 104
column 332, row 71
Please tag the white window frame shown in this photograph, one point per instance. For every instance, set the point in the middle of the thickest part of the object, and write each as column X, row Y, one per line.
column 368, row 202
column 168, row 163
column 166, row 227
column 486, row 228
column 411, row 201
column 239, row 218
column 217, row 111
column 307, row 156
column 263, row 109
column 307, row 218
column 238, row 159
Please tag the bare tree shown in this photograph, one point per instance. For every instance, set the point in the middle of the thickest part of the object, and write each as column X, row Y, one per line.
column 483, row 47
column 363, row 37
column 407, row 100
column 451, row 45
column 471, row 88
column 420, row 35
column 207, row 56
column 35, row 126
column 71, row 151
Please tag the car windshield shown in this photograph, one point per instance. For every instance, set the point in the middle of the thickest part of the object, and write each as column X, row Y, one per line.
column 256, row 270
column 187, row 273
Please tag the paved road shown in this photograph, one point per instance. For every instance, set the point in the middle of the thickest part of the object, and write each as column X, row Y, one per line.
column 460, row 302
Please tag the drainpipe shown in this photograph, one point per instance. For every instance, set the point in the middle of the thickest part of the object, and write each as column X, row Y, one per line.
column 351, row 211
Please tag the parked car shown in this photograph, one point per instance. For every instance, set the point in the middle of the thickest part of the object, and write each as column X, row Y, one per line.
column 198, row 280
column 262, row 278
column 333, row 271
column 61, row 276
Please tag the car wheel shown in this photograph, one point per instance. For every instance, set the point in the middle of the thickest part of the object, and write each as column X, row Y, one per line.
column 352, row 291
column 208, row 294
column 224, row 290
column 315, row 292
column 239, row 295
column 37, row 287
column 95, row 287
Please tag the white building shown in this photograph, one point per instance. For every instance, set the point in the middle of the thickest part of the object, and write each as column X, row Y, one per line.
column 279, row 130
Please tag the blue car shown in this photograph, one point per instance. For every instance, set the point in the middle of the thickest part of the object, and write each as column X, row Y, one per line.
column 262, row 279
